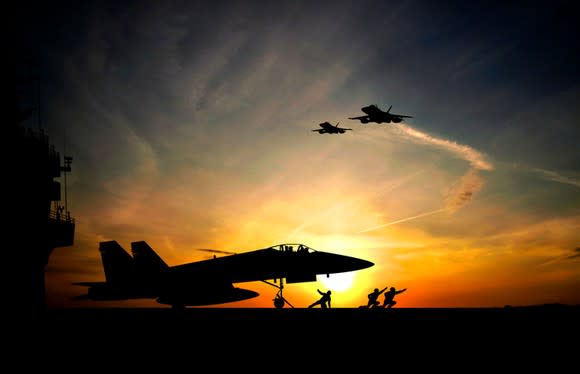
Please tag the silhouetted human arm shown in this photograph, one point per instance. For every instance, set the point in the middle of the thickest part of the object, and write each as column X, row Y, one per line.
column 400, row 291
column 383, row 290
column 322, row 293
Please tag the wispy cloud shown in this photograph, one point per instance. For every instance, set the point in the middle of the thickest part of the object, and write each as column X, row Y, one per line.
column 575, row 255
column 463, row 192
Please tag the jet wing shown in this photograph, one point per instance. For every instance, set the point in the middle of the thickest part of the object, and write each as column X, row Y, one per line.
column 361, row 117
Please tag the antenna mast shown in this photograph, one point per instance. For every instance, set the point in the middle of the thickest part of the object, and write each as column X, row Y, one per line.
column 67, row 162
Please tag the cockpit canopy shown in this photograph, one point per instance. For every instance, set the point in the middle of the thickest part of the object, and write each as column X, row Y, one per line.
column 293, row 247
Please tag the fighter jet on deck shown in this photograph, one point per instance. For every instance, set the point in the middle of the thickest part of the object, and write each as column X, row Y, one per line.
column 146, row 276
column 327, row 128
column 374, row 114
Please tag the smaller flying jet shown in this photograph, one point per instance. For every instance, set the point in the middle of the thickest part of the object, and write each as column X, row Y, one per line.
column 327, row 128
column 375, row 114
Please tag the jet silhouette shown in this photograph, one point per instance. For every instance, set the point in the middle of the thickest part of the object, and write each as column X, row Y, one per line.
column 374, row 114
column 327, row 128
column 207, row 282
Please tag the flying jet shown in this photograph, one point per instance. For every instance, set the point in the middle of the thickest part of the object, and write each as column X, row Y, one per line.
column 375, row 114
column 144, row 275
column 327, row 128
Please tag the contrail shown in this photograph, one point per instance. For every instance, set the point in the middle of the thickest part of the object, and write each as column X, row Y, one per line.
column 389, row 187
column 471, row 182
column 474, row 157
column 555, row 177
column 402, row 220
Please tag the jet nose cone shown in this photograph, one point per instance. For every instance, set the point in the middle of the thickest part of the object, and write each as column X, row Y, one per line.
column 362, row 264
column 326, row 263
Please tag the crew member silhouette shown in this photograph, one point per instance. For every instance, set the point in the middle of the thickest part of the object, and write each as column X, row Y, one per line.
column 389, row 297
column 324, row 301
column 373, row 296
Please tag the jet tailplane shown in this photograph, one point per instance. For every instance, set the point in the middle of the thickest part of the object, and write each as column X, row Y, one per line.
column 117, row 263
column 148, row 266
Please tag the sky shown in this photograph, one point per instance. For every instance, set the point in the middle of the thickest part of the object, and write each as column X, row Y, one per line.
column 189, row 124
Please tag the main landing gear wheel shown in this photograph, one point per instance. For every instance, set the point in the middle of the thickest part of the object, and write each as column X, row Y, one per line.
column 279, row 302
column 279, row 299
